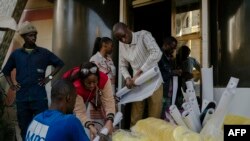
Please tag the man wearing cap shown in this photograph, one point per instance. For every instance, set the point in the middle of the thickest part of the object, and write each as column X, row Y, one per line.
column 31, row 63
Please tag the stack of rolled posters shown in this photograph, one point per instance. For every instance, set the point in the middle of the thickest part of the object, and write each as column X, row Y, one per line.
column 214, row 125
column 194, row 119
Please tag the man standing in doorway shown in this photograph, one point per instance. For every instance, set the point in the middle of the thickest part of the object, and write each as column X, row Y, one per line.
column 31, row 63
column 141, row 52
column 168, row 70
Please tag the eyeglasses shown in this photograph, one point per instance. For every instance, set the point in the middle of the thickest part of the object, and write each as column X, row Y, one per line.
column 86, row 71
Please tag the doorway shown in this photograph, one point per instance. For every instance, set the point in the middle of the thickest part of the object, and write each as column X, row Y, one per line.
column 155, row 18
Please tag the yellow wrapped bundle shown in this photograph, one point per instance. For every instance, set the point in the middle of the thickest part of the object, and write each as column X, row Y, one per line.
column 152, row 129
column 184, row 134
column 122, row 135
column 235, row 119
column 155, row 129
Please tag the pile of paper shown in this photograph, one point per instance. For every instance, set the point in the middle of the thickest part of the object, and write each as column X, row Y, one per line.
column 145, row 87
column 207, row 120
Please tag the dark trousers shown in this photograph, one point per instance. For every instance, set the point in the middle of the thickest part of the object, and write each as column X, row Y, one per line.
column 26, row 111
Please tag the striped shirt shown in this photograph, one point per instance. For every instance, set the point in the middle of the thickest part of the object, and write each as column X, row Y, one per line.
column 143, row 53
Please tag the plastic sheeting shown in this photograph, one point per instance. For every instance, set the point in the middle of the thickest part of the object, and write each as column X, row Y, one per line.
column 152, row 129
column 155, row 129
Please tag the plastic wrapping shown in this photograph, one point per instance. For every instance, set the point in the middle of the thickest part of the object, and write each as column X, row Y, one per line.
column 236, row 119
column 152, row 129
column 122, row 135
column 155, row 129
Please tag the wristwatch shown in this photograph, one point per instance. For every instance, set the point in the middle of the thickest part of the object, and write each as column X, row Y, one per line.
column 50, row 77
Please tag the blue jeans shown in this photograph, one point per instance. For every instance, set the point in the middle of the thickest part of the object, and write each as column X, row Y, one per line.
column 26, row 111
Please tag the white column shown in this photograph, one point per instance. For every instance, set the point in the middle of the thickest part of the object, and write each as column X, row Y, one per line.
column 205, row 34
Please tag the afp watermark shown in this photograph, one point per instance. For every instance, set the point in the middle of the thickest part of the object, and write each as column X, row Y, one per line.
column 241, row 132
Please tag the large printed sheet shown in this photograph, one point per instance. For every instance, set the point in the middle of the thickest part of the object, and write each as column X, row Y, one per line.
column 140, row 80
column 142, row 91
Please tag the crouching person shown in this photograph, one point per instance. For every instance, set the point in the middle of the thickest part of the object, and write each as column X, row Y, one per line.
column 58, row 123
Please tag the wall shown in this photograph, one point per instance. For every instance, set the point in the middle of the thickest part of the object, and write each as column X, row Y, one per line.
column 240, row 103
column 44, row 39
column 229, row 29
column 76, row 26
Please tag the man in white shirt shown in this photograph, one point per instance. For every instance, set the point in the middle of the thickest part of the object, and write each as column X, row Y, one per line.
column 141, row 52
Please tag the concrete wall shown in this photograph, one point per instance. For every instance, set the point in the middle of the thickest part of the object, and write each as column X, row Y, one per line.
column 44, row 39
column 240, row 104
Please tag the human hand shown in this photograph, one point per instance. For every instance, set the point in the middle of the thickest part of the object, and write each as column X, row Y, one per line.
column 177, row 72
column 43, row 82
column 129, row 83
column 109, row 126
column 93, row 132
column 137, row 74
column 15, row 87
column 10, row 98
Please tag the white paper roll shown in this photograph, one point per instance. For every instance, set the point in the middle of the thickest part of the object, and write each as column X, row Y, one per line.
column 190, row 94
column 207, row 83
column 190, row 85
column 184, row 95
column 141, row 92
column 195, row 106
column 204, row 104
column 147, row 75
column 140, row 80
column 225, row 100
column 175, row 113
column 186, row 106
column 222, row 108
column 208, row 115
column 104, row 131
column 123, row 91
column 170, row 118
column 191, row 121
column 215, row 123
column 175, row 88
column 118, row 117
